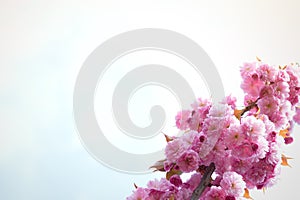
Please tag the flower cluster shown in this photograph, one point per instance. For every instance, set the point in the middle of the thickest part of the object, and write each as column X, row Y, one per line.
column 276, row 91
column 231, row 185
column 244, row 144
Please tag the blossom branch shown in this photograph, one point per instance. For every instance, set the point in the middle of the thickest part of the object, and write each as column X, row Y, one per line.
column 249, row 107
column 205, row 181
column 238, row 143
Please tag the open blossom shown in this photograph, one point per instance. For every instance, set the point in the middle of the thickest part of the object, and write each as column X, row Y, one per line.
column 281, row 90
column 201, row 104
column 296, row 117
column 139, row 194
column 188, row 138
column 268, row 105
column 184, row 193
column 182, row 119
column 282, row 75
column 221, row 110
column 269, row 125
column 267, row 72
column 174, row 149
column 239, row 165
column 233, row 184
column 248, row 69
column 261, row 147
column 252, row 85
column 293, row 72
column 234, row 136
column 266, row 91
column 215, row 193
column 253, row 127
column 178, row 149
column 161, row 184
column 274, row 155
column 188, row 161
column 244, row 151
column 193, row 119
column 230, row 100
column 258, row 175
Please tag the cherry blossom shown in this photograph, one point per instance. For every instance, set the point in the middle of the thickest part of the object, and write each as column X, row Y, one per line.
column 244, row 145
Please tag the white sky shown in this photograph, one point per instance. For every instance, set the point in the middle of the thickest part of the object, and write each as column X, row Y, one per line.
column 43, row 45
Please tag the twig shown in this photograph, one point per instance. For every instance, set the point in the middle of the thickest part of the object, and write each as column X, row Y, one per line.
column 205, row 181
column 249, row 107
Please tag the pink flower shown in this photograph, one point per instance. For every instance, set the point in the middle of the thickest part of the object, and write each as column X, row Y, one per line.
column 248, row 99
column 281, row 90
column 269, row 125
column 139, row 194
column 261, row 150
column 274, row 154
column 255, row 176
column 201, row 104
column 262, row 174
column 267, row 73
column 176, row 180
column 279, row 119
column 266, row 91
column 251, row 151
column 182, row 119
column 220, row 111
column 296, row 117
column 214, row 127
column 293, row 72
column 174, row 149
column 273, row 175
column 294, row 69
column 195, row 121
column 253, row 127
column 184, row 193
column 240, row 166
column 234, row 136
column 268, row 105
column 162, row 184
column 283, row 76
column 215, row 193
column 287, row 110
column 252, row 85
column 288, row 140
column 168, row 166
column 188, row 138
column 197, row 143
column 230, row 100
column 244, row 151
column 248, row 69
column 221, row 159
column 233, row 184
column 188, row 161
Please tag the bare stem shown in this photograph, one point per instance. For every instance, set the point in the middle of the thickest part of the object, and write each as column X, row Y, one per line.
column 249, row 107
column 205, row 181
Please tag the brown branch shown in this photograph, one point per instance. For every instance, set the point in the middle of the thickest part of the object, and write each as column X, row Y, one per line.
column 249, row 107
column 205, row 181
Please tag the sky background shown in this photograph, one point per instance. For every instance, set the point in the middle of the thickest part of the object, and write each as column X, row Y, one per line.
column 43, row 45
